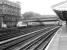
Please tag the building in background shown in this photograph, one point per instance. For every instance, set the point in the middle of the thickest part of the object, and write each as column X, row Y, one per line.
column 10, row 13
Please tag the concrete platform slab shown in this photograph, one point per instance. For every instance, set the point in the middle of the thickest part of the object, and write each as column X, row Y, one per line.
column 59, row 41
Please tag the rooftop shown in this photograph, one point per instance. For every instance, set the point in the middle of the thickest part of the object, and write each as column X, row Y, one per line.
column 15, row 4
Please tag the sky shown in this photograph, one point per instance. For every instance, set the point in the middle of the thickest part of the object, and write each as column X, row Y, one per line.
column 42, row 7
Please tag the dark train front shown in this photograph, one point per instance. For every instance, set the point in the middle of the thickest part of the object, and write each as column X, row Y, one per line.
column 61, row 10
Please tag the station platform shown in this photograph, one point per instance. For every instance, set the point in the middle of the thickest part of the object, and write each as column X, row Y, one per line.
column 59, row 41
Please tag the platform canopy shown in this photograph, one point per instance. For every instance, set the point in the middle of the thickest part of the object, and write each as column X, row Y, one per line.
column 61, row 10
column 62, row 6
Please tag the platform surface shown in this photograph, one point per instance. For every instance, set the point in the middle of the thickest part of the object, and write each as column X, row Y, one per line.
column 59, row 41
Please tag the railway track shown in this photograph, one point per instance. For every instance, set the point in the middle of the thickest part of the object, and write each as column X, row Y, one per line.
column 14, row 32
column 30, row 41
column 40, row 43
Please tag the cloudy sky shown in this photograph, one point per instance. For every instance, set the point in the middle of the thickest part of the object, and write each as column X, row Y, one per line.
column 39, row 6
